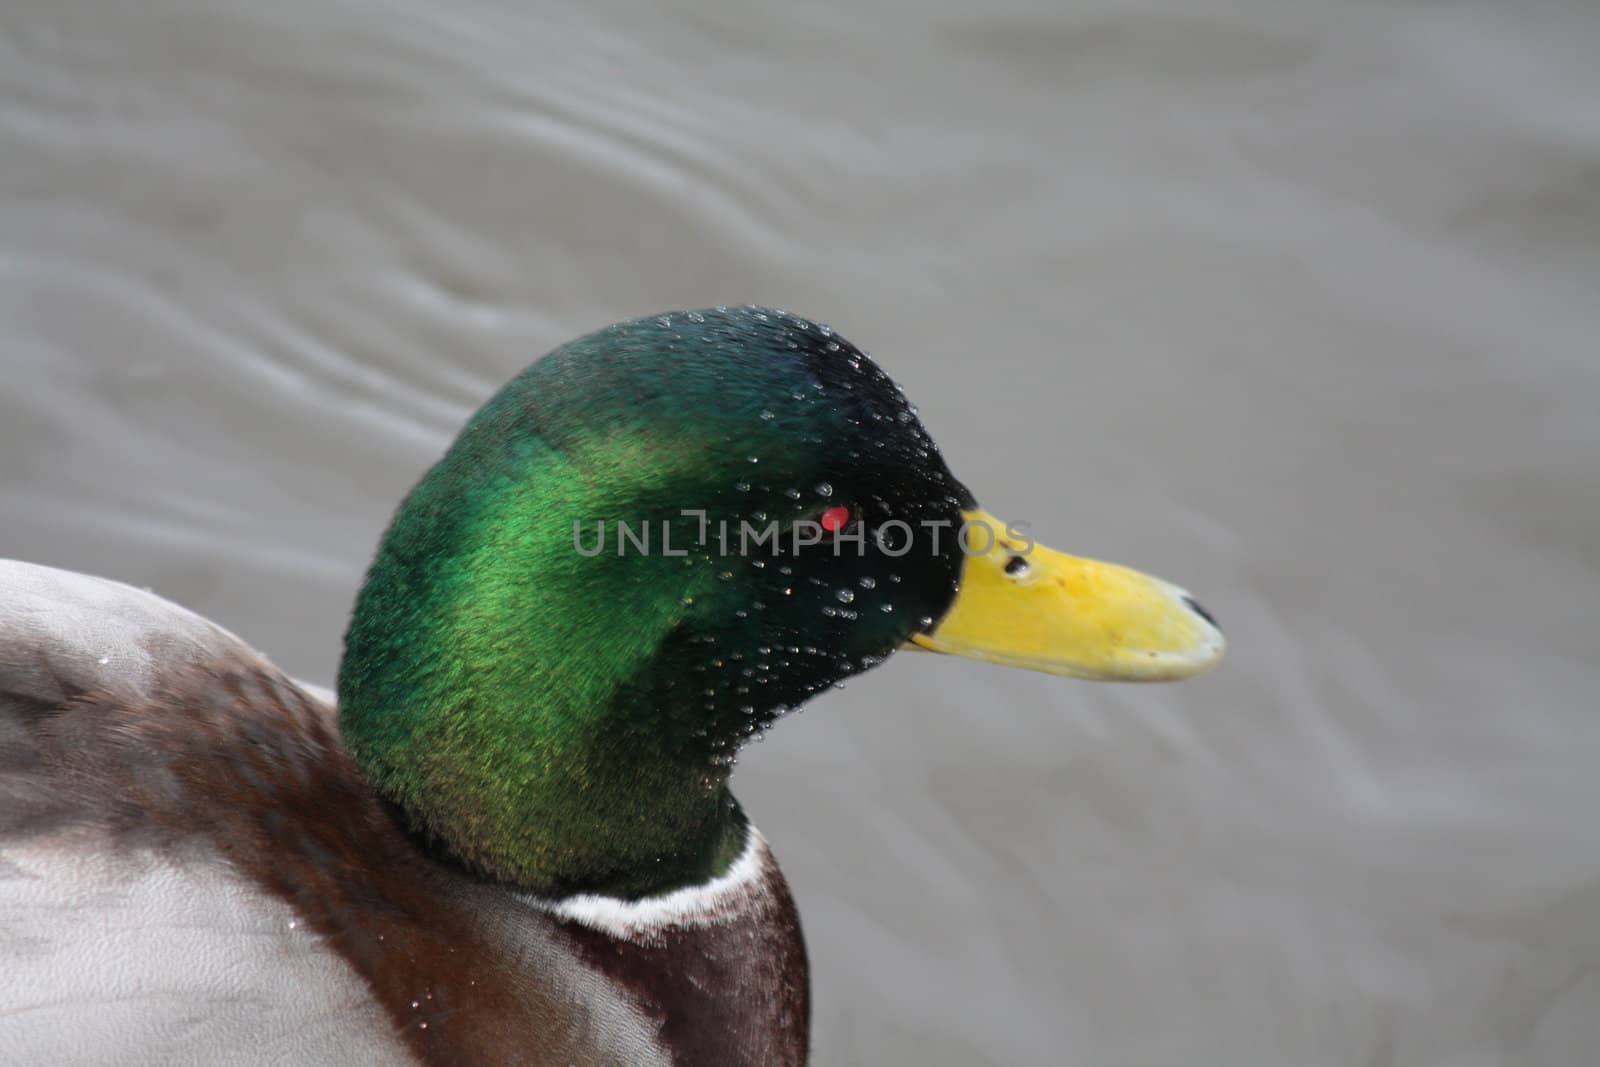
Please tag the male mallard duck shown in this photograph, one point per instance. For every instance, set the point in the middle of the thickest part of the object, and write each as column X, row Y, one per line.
column 513, row 841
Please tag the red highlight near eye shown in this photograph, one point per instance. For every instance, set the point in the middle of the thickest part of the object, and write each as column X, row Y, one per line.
column 833, row 520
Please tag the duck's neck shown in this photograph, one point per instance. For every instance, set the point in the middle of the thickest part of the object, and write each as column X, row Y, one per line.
column 518, row 702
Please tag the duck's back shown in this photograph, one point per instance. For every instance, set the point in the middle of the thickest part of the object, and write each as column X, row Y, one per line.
column 193, row 871
column 123, row 936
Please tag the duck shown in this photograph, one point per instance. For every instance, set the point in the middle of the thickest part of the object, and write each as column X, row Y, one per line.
column 508, row 836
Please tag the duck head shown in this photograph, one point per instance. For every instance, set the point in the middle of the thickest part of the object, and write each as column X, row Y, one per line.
column 648, row 546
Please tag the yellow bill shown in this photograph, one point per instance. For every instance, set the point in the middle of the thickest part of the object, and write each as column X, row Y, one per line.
column 1024, row 605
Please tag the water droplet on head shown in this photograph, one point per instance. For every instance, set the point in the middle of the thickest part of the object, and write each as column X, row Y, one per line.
column 767, row 416
column 743, row 487
column 867, row 581
column 824, row 489
column 792, row 494
column 844, row 595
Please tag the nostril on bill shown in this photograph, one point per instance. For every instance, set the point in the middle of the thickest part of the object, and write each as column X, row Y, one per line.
column 1194, row 606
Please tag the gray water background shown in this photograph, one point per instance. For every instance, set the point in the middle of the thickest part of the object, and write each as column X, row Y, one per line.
column 1294, row 303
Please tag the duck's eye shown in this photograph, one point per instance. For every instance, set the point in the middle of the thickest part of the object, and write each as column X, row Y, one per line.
column 1016, row 566
column 834, row 519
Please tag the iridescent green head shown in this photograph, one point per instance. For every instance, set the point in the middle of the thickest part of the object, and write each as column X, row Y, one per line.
column 642, row 550
column 649, row 545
